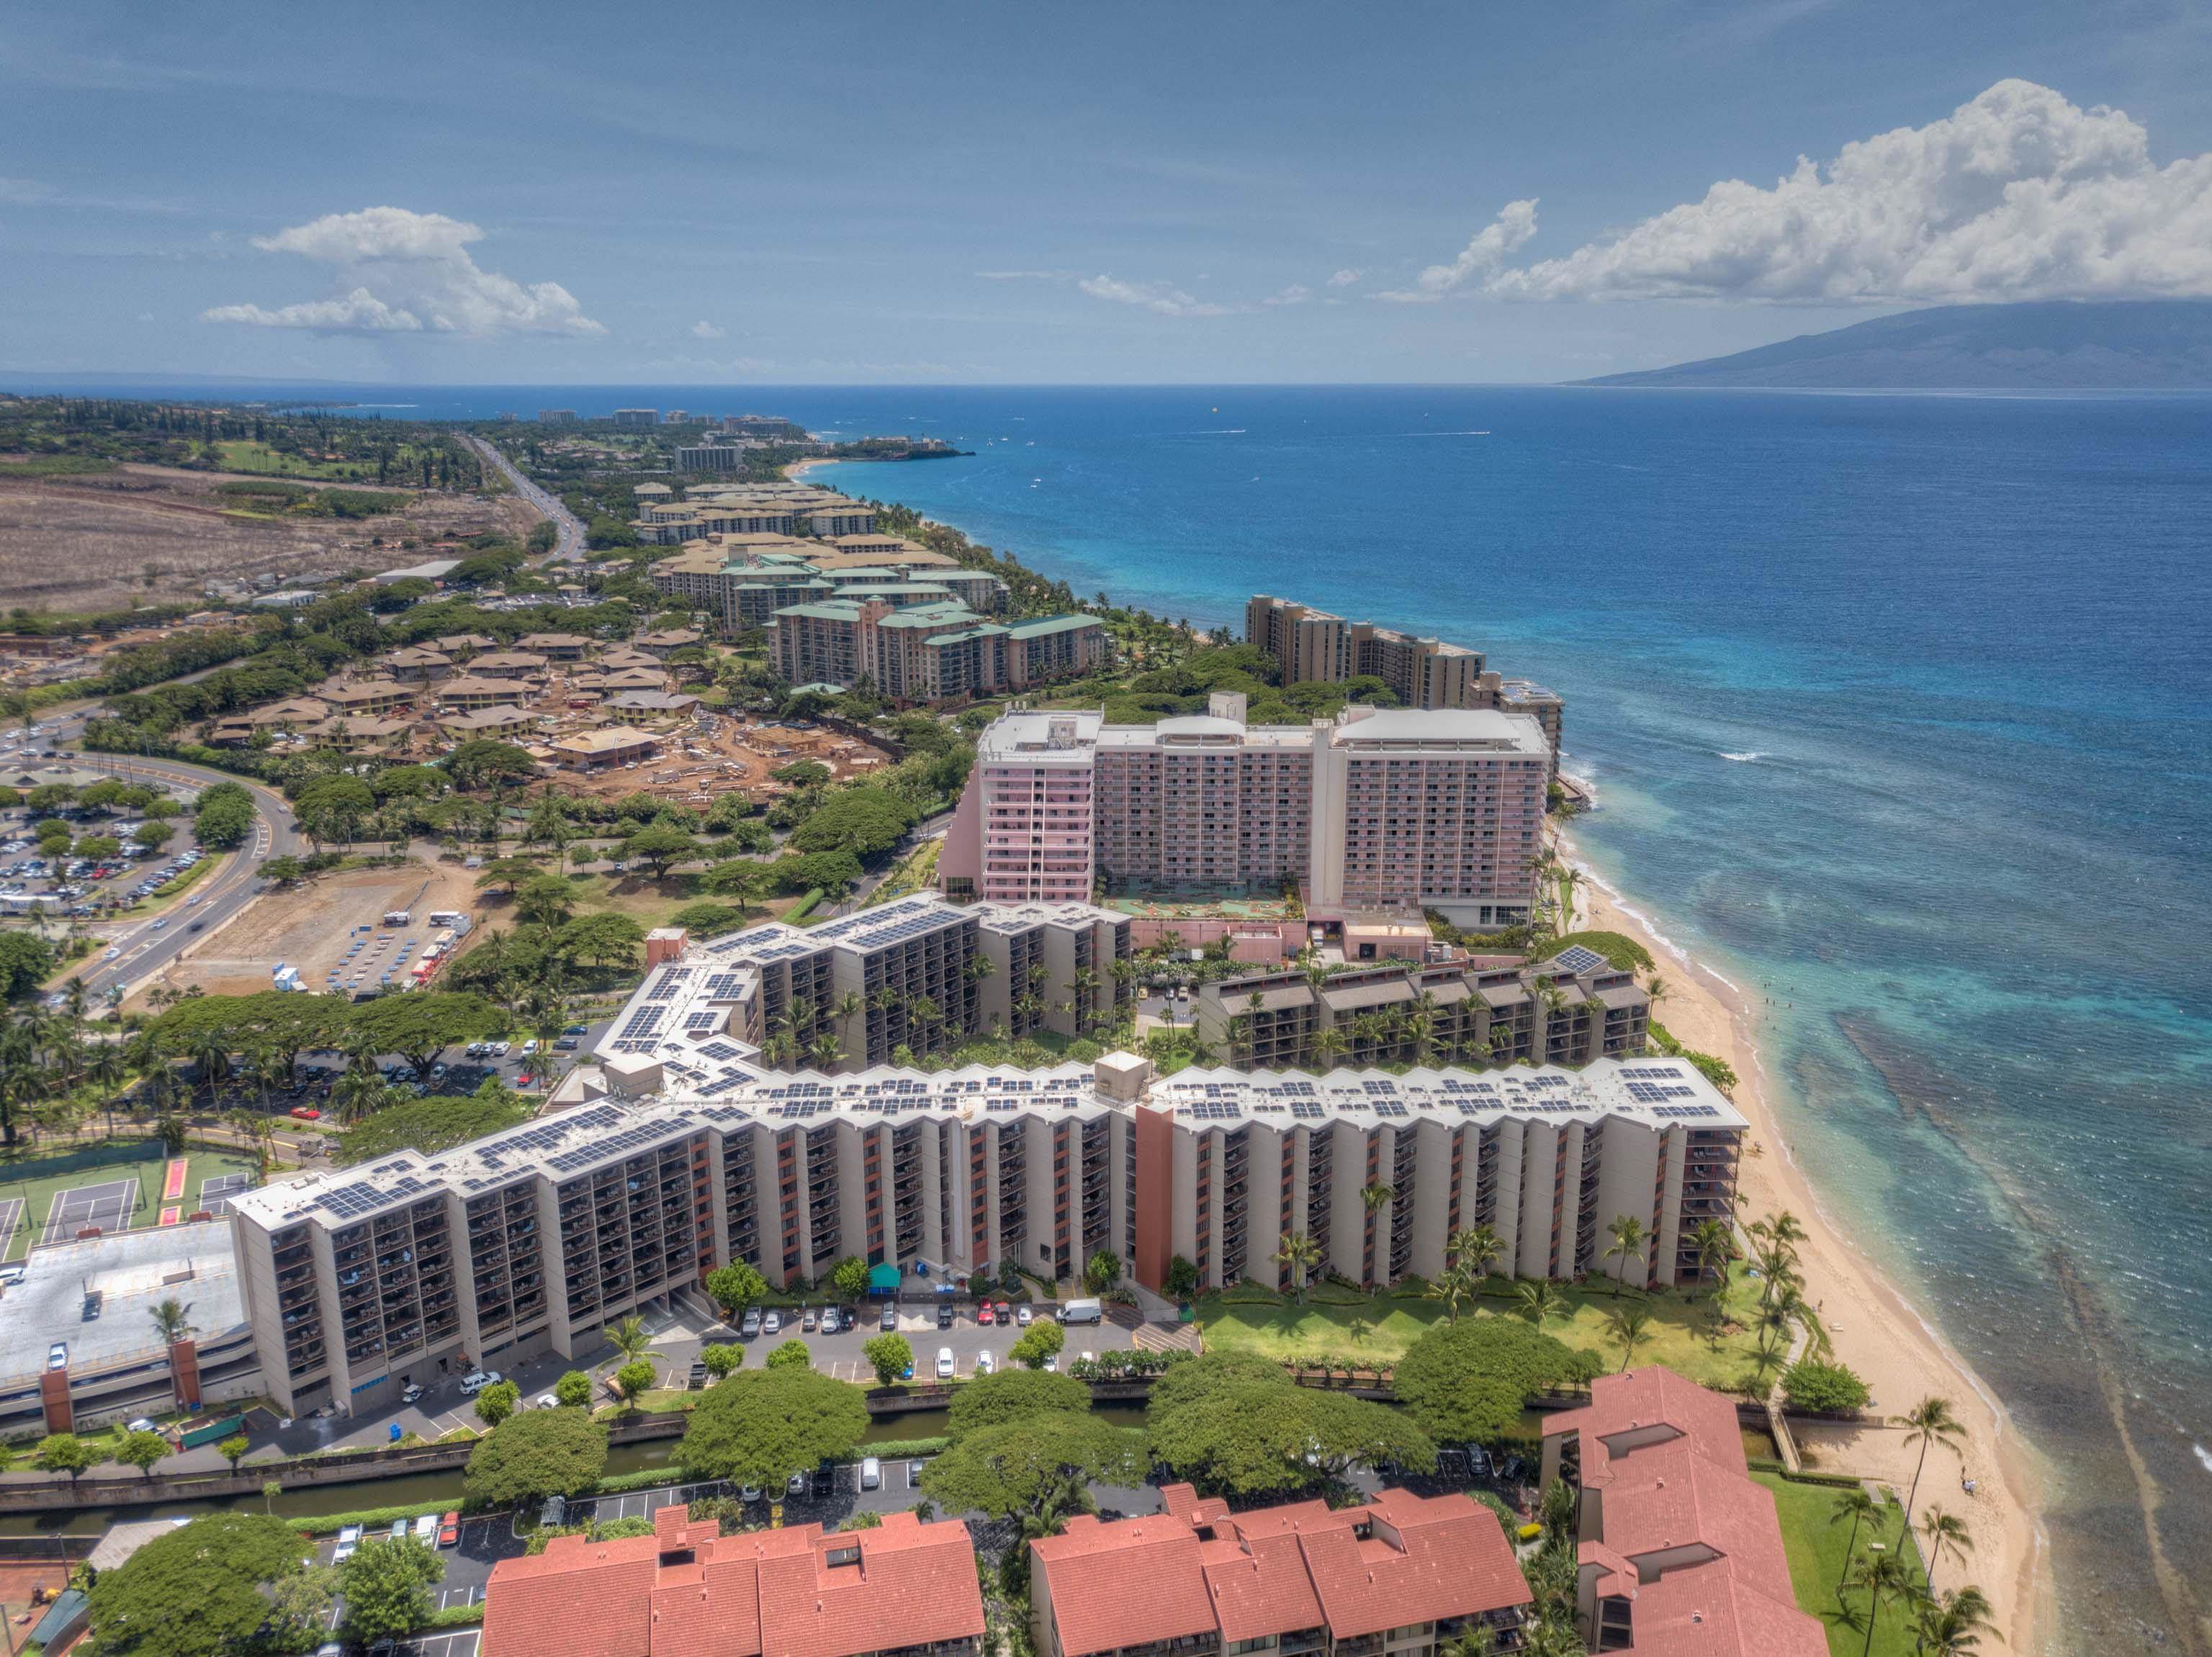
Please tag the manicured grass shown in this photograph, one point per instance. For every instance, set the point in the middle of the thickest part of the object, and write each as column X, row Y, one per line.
column 39, row 1179
column 1817, row 1562
column 1692, row 1337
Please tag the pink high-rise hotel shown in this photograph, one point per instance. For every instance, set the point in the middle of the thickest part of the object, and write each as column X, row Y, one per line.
column 1375, row 811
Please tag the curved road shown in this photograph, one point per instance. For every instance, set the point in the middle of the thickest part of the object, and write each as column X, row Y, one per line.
column 144, row 946
column 569, row 545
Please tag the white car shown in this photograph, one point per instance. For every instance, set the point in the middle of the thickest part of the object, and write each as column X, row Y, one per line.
column 1024, row 1316
column 497, row 1049
column 831, row 1321
column 529, row 1047
column 426, row 1530
column 987, row 1363
column 348, row 1544
column 476, row 1379
column 945, row 1363
column 547, row 1401
column 872, row 1474
column 771, row 1323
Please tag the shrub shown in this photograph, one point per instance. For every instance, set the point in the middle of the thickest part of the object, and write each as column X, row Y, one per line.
column 1823, row 1388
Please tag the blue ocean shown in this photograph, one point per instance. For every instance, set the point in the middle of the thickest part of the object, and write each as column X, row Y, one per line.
column 1898, row 710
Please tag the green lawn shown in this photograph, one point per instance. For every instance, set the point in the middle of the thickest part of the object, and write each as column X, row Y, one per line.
column 38, row 1178
column 1693, row 1337
column 1816, row 1550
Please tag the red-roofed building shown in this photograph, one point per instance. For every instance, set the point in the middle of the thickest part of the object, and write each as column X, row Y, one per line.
column 1680, row 1553
column 1395, row 1578
column 903, row 1589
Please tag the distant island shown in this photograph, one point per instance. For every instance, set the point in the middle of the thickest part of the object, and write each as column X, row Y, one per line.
column 2142, row 344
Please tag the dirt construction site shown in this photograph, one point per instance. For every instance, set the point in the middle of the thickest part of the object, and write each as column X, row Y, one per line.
column 719, row 755
column 330, row 924
column 149, row 534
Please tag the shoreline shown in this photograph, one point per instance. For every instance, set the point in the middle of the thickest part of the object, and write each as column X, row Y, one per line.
column 1875, row 1328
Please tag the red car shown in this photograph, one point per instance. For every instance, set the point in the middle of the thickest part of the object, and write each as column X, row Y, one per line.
column 307, row 1113
column 983, row 1312
column 449, row 1530
column 526, row 1080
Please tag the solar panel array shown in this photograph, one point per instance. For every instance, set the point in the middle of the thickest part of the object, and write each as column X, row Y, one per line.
column 1580, row 958
column 598, row 1150
column 351, row 1202
column 723, row 986
column 1652, row 1092
column 1649, row 1073
column 1685, row 1110
column 671, row 979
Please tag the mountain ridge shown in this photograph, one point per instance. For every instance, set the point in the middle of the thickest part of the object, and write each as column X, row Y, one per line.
column 2049, row 345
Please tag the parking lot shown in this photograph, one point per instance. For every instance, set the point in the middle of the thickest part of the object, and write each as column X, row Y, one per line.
column 840, row 1354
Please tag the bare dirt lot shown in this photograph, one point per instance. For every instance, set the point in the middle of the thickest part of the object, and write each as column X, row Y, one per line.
column 93, row 543
column 318, row 927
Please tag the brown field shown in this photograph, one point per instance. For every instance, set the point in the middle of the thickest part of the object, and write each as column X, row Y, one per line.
column 734, row 757
column 312, row 927
column 145, row 534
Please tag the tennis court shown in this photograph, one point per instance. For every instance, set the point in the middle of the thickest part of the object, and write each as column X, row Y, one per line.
column 108, row 1205
column 11, row 1217
column 216, row 1190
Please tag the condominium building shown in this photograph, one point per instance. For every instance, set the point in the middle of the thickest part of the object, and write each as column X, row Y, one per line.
column 914, row 648
column 1566, row 1011
column 1677, row 1549
column 902, row 1588
column 637, row 417
column 1425, row 673
column 1376, row 810
column 1306, row 643
column 1399, row 1576
column 844, row 518
column 709, row 457
column 684, row 1151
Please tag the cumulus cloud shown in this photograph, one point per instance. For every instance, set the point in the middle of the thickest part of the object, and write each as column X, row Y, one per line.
column 404, row 272
column 1480, row 258
column 2018, row 194
column 1297, row 293
column 1156, row 296
column 705, row 330
column 1344, row 278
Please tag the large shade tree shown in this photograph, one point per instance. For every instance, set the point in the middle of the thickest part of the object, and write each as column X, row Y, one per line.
column 759, row 1427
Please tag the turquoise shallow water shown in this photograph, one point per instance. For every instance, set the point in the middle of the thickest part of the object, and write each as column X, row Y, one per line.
column 1898, row 710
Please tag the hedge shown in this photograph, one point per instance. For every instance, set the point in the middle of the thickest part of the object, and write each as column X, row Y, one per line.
column 367, row 1518
column 894, row 1447
column 457, row 1616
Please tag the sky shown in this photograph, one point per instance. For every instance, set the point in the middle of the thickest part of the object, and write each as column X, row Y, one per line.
column 1134, row 193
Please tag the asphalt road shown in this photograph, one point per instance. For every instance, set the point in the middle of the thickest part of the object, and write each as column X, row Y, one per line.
column 145, row 946
column 569, row 547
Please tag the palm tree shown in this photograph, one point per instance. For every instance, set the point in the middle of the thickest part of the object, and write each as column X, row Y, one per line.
column 1378, row 1195
column 1882, row 1576
column 826, row 1052
column 1458, row 1282
column 1479, row 1244
column 1301, row 1255
column 1631, row 1322
column 1929, row 1422
column 212, row 1060
column 1539, row 1301
column 629, row 1338
column 1715, row 1247
column 172, row 1319
column 1328, row 1045
column 1946, row 1533
column 1627, row 1233
column 1954, row 1623
column 1855, row 1505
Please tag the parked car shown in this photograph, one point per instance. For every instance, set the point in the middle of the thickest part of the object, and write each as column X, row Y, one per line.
column 945, row 1315
column 984, row 1314
column 307, row 1113
column 795, row 1485
column 1005, row 1312
column 57, row 1355
column 449, row 1530
column 945, row 1363
column 751, row 1326
column 348, row 1544
column 872, row 1474
column 831, row 1322
column 1024, row 1316
column 529, row 1047
column 426, row 1530
column 987, row 1363
column 398, row 1532
column 410, row 1393
column 808, row 1320
column 771, row 1322
column 888, row 1322
column 476, row 1379
column 751, row 1493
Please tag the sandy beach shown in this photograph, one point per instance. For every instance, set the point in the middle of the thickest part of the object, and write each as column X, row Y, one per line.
column 1875, row 1329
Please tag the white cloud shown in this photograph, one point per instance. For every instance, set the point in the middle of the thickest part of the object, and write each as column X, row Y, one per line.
column 403, row 271
column 1297, row 293
column 1157, row 296
column 1344, row 278
column 705, row 330
column 1480, row 259
column 2016, row 195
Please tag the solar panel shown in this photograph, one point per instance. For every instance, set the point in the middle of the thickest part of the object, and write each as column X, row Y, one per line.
column 1579, row 958
column 723, row 986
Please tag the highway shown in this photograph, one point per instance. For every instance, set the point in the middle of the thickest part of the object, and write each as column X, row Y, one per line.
column 570, row 547
column 142, row 947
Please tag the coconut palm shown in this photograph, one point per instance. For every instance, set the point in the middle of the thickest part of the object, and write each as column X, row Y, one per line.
column 1631, row 1322
column 1627, row 1233
column 1377, row 1196
column 1946, row 1533
column 1954, row 1623
column 1457, row 1282
column 1881, row 1577
column 173, row 1320
column 629, row 1338
column 1328, row 1046
column 1715, row 1247
column 825, row 1051
column 1857, row 1506
column 1301, row 1256
column 1477, row 1244
column 1927, row 1422
column 1539, row 1301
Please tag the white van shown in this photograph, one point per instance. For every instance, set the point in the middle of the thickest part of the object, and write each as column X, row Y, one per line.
column 872, row 1474
column 1081, row 1312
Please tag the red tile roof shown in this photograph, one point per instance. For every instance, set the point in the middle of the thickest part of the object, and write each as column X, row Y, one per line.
column 688, row 1591
column 1665, row 1459
column 1399, row 1559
